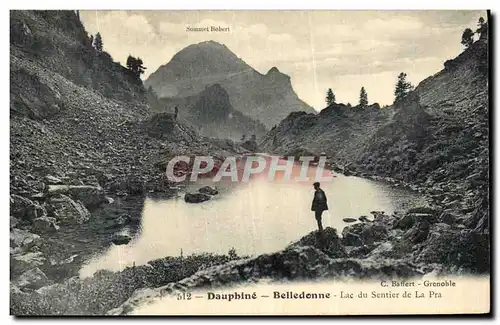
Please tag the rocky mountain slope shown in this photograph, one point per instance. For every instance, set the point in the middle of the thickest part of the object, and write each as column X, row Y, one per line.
column 80, row 117
column 212, row 115
column 267, row 98
column 337, row 130
column 436, row 139
column 82, row 135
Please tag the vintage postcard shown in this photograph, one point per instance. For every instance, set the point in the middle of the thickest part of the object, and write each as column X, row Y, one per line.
column 249, row 162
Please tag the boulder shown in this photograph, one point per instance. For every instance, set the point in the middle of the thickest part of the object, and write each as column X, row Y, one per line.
column 373, row 233
column 19, row 205
column 384, row 250
column 364, row 219
column 45, row 224
column 120, row 221
column 123, row 219
column 396, row 234
column 364, row 233
column 196, row 197
column 418, row 233
column 15, row 292
column 410, row 219
column 25, row 209
column 121, row 239
column 349, row 220
column 208, row 190
column 13, row 222
column 448, row 217
column 67, row 211
column 49, row 179
column 69, row 260
column 423, row 209
column 23, row 240
column 440, row 227
column 20, row 263
column 62, row 269
column 328, row 242
column 33, row 279
column 35, row 97
column 483, row 225
column 377, row 213
column 351, row 239
column 90, row 196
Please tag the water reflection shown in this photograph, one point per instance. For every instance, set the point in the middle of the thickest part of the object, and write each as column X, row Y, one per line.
column 254, row 217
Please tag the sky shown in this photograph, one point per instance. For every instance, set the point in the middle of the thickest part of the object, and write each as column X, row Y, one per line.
column 342, row 50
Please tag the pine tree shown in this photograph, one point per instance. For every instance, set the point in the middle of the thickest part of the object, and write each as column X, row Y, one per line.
column 363, row 97
column 482, row 29
column 135, row 65
column 403, row 87
column 467, row 37
column 98, row 42
column 330, row 97
column 130, row 62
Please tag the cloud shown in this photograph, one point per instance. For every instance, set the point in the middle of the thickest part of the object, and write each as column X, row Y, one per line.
column 395, row 26
column 133, row 28
column 167, row 28
column 278, row 38
column 318, row 49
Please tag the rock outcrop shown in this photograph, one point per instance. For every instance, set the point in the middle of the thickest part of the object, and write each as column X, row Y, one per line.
column 33, row 279
column 66, row 210
column 196, row 197
column 208, row 190
column 90, row 196
column 212, row 114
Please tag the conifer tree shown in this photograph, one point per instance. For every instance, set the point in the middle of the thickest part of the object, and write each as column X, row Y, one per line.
column 363, row 97
column 330, row 97
column 403, row 87
column 467, row 37
column 98, row 42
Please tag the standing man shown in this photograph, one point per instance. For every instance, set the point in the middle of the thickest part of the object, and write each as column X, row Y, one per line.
column 176, row 111
column 319, row 204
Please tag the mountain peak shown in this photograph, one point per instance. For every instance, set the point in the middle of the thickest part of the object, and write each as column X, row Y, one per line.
column 273, row 70
column 277, row 76
column 209, row 44
column 267, row 98
column 211, row 47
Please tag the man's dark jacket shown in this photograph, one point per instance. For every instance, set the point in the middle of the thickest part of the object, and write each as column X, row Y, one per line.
column 319, row 201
